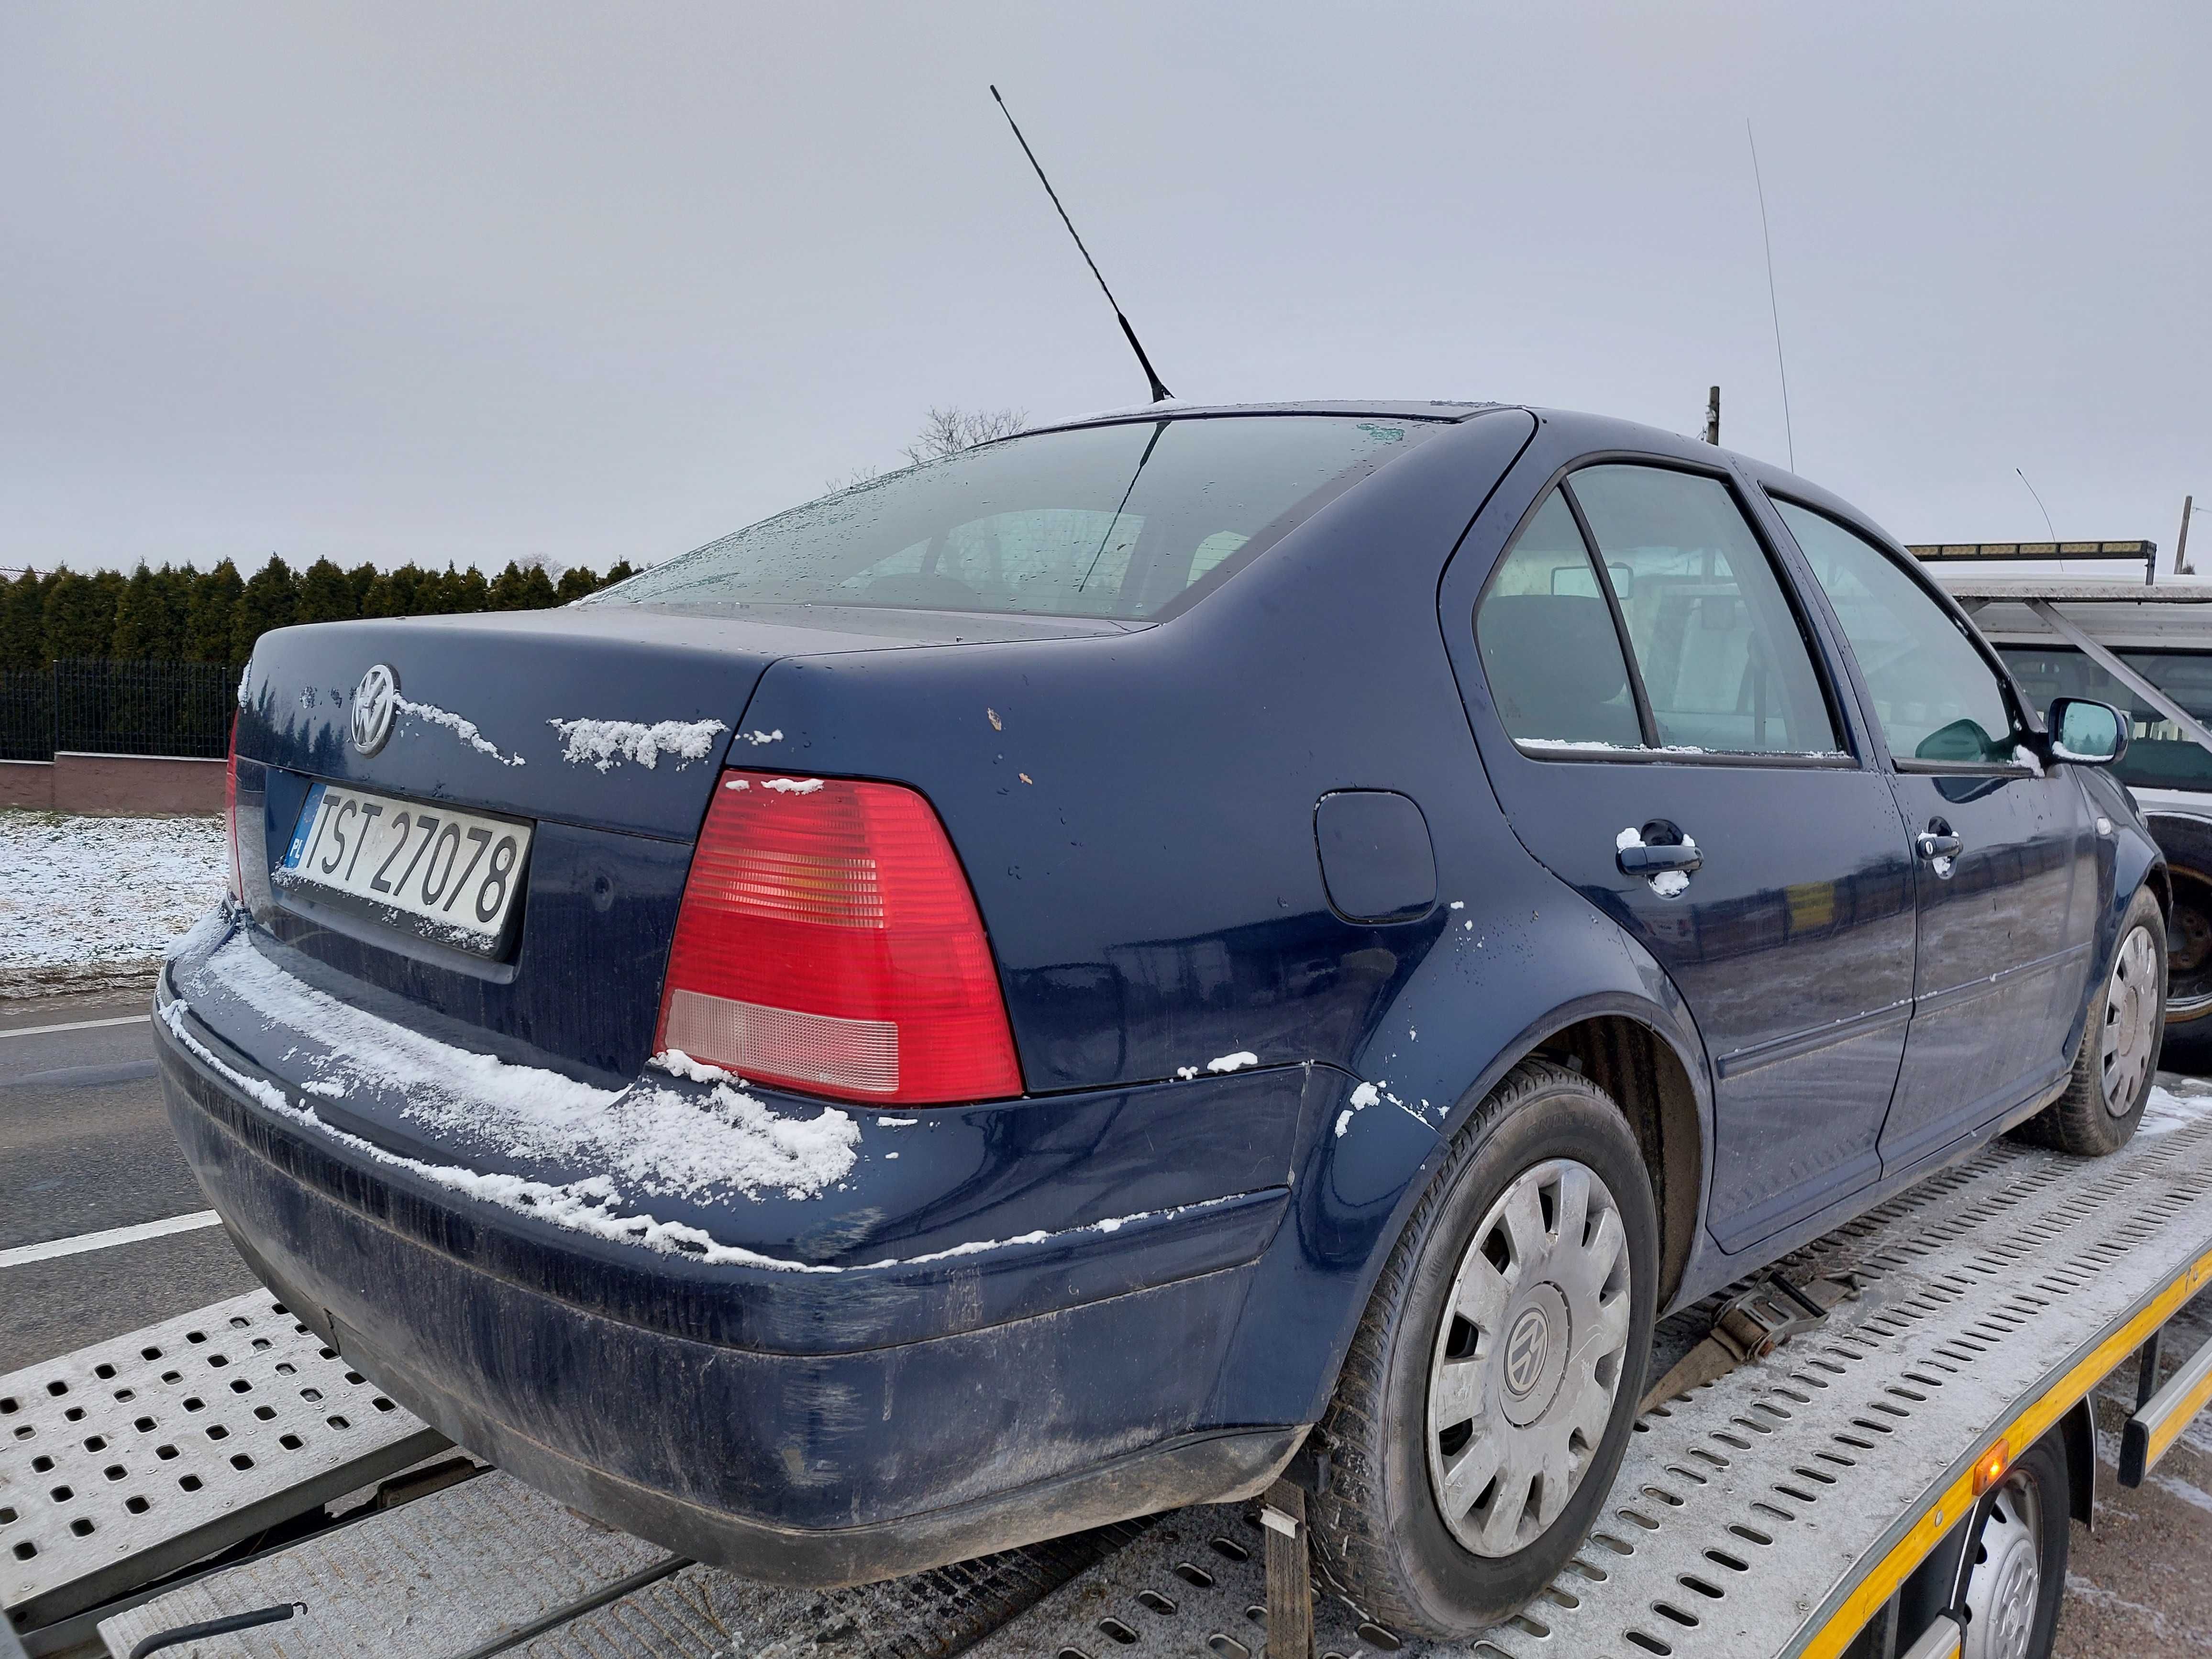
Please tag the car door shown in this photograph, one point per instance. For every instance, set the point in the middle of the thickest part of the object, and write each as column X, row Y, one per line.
column 1699, row 790
column 2005, row 878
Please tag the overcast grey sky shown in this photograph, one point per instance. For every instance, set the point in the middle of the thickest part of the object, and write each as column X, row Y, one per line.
column 471, row 282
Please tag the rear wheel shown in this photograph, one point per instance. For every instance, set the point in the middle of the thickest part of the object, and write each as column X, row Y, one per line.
column 1489, row 1393
column 2120, row 1043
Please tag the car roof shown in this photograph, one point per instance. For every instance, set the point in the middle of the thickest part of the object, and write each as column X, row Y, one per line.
column 1597, row 432
column 1396, row 409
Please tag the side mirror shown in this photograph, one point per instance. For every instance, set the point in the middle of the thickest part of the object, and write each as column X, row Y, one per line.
column 2087, row 732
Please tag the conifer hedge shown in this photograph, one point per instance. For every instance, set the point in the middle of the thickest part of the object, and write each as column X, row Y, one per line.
column 187, row 615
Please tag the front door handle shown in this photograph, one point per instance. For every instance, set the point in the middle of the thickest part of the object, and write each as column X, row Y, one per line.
column 1939, row 844
column 1650, row 861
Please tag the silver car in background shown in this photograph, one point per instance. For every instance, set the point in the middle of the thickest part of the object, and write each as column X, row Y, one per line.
column 2147, row 650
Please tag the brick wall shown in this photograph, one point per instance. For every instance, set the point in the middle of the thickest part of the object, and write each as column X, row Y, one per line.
column 113, row 786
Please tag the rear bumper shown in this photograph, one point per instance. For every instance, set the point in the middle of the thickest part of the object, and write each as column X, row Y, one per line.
column 802, row 1427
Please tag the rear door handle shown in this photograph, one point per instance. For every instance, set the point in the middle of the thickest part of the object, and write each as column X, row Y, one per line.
column 1650, row 861
column 1935, row 845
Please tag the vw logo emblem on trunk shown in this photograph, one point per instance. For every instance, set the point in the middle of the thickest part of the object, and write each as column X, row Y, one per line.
column 375, row 702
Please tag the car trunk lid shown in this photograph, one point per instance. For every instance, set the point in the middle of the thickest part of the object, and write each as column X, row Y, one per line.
column 603, row 726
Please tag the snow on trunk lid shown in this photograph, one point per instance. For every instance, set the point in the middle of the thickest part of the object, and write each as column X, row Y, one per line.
column 609, row 719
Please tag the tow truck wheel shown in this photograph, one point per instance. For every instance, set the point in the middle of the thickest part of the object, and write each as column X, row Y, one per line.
column 1489, row 1393
column 2120, row 1043
column 2017, row 1571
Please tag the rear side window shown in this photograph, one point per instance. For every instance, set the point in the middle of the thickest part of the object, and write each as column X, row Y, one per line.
column 1722, row 658
column 1116, row 521
column 1716, row 650
column 1548, row 642
column 1937, row 699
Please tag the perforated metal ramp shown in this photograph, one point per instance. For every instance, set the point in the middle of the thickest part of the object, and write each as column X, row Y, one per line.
column 124, row 1461
column 1195, row 1585
column 1746, row 1512
column 702, row 1613
column 435, row 1577
column 487, row 1560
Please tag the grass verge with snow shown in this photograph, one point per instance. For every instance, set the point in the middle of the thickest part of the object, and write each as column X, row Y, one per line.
column 89, row 903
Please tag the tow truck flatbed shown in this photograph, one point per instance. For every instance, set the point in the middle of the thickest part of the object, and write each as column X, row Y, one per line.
column 1777, row 1510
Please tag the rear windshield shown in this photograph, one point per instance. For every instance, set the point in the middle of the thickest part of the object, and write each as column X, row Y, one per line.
column 2159, row 756
column 1116, row 521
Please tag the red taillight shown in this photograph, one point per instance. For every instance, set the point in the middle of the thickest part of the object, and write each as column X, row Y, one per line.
column 829, row 940
column 230, row 815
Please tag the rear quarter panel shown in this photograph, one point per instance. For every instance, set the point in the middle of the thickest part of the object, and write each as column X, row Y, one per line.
column 1136, row 813
column 1137, row 818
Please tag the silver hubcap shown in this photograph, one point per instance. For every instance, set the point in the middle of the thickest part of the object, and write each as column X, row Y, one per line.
column 1529, row 1358
column 2131, row 1013
column 2007, row 1577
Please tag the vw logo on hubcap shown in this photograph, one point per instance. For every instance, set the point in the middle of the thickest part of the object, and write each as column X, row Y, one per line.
column 1525, row 1349
column 374, row 702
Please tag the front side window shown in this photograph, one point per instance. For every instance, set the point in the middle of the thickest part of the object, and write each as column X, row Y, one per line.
column 1938, row 701
column 1116, row 521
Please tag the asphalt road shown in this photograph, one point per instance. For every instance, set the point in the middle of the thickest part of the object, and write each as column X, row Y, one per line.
column 2138, row 1584
column 84, row 1146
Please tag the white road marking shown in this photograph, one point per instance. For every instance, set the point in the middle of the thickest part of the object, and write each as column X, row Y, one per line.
column 83, row 1241
column 77, row 1025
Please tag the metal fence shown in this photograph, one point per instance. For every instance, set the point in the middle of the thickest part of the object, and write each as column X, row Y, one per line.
column 101, row 706
column 26, row 715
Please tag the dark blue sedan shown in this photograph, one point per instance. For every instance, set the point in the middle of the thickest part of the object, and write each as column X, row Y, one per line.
column 1070, row 980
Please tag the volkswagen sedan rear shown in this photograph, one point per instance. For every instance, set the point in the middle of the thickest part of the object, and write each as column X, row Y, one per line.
column 1044, row 987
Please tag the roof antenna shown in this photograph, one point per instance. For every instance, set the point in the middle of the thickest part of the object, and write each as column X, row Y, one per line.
column 1773, row 306
column 2039, row 506
column 1160, row 393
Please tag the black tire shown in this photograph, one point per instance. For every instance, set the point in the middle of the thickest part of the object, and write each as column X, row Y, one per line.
column 2187, row 1049
column 1381, row 1530
column 2187, row 844
column 2086, row 1119
column 1998, row 1593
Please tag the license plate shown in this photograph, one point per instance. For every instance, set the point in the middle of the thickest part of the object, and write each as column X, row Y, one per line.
column 445, row 876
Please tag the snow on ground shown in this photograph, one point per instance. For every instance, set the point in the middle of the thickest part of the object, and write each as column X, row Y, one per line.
column 2171, row 1108
column 88, row 902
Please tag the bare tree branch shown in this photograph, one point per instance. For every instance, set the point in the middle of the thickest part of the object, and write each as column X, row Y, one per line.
column 948, row 431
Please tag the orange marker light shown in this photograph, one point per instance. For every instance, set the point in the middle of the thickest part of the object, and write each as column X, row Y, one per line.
column 1991, row 1467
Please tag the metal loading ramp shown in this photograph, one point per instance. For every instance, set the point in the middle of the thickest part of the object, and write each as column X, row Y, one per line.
column 130, row 1459
column 1772, row 1512
column 489, row 1566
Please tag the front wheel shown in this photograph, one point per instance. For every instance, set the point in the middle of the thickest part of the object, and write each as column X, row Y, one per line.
column 1490, row 1391
column 2120, row 1042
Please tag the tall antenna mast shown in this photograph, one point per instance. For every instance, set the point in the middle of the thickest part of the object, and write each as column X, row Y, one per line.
column 1160, row 393
column 1773, row 307
column 2039, row 506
